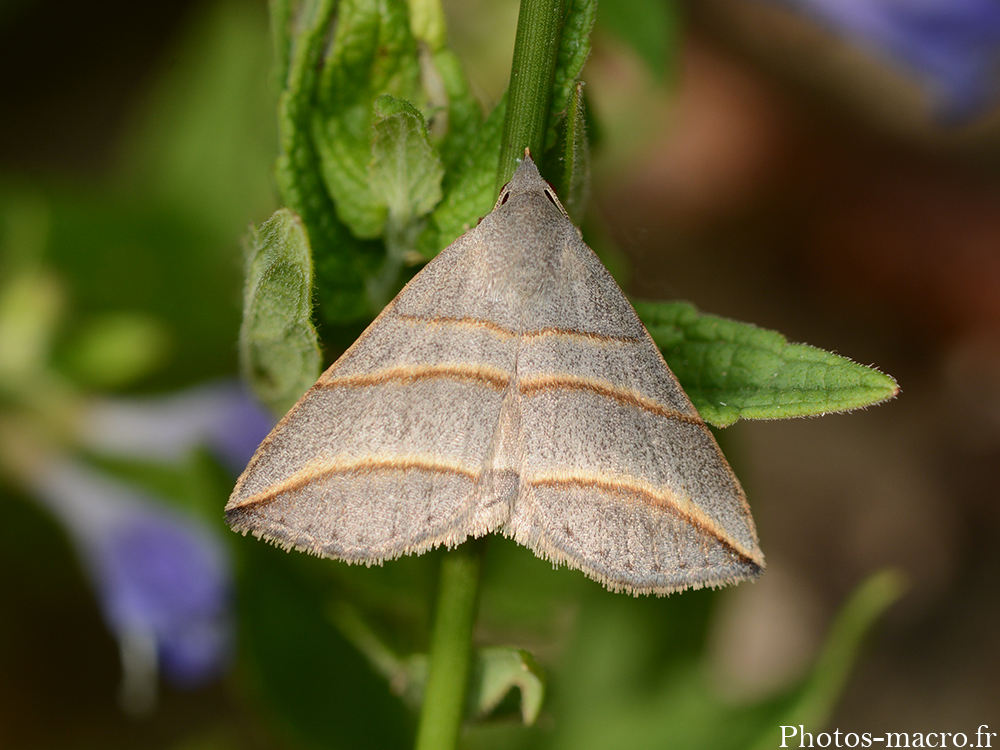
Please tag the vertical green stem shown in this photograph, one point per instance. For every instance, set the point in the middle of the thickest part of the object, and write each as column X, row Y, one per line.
column 451, row 648
column 536, row 48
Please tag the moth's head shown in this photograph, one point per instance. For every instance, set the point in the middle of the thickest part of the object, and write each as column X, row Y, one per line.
column 528, row 181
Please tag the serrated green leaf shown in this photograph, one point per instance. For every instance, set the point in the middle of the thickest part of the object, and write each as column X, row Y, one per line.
column 340, row 260
column 406, row 172
column 325, row 116
column 733, row 370
column 279, row 351
column 469, row 187
column 405, row 182
column 373, row 53
column 343, row 143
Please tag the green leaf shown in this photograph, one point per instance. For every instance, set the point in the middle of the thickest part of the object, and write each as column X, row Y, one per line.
column 375, row 110
column 279, row 351
column 340, row 259
column 469, row 188
column 358, row 172
column 373, row 53
column 406, row 172
column 343, row 143
column 733, row 370
column 574, row 48
column 500, row 669
column 326, row 113
column 405, row 179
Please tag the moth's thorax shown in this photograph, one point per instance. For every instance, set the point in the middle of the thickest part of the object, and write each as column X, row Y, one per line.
column 528, row 238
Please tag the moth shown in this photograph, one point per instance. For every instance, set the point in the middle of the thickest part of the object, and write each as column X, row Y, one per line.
column 509, row 387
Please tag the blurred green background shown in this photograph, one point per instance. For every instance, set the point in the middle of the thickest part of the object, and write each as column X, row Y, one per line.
column 737, row 167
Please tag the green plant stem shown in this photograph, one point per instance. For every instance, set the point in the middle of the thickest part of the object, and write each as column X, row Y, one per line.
column 536, row 49
column 451, row 648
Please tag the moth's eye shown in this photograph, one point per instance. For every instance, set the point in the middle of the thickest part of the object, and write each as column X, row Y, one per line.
column 548, row 194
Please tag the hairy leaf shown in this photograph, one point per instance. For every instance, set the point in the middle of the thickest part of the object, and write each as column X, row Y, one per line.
column 373, row 53
column 574, row 48
column 279, row 353
column 340, row 259
column 469, row 189
column 733, row 370
column 406, row 172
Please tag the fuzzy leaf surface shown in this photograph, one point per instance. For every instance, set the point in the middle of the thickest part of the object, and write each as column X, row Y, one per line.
column 279, row 350
column 732, row 370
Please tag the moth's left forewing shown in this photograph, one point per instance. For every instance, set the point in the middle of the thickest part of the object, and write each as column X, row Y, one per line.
column 385, row 454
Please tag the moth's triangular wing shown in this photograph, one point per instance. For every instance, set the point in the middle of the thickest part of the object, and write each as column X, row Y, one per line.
column 619, row 476
column 385, row 454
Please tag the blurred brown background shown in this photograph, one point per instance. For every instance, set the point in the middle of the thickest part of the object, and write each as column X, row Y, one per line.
column 796, row 183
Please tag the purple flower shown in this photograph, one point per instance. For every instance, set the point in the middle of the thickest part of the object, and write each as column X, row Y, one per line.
column 952, row 46
column 163, row 579
column 222, row 416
